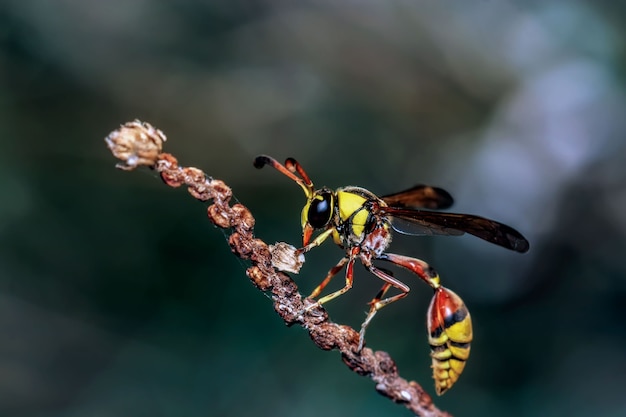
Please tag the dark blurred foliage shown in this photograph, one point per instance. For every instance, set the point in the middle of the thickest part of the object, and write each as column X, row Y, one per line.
column 119, row 298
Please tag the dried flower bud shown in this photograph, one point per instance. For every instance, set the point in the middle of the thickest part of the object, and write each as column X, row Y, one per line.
column 136, row 143
column 286, row 258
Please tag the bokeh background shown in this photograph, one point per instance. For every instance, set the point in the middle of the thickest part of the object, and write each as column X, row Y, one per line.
column 119, row 298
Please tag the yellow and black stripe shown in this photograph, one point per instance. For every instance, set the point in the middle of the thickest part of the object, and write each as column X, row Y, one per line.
column 450, row 335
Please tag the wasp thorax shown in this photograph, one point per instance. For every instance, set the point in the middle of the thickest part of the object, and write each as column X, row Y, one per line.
column 320, row 209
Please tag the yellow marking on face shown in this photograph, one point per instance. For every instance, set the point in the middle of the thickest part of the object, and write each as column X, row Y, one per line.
column 305, row 214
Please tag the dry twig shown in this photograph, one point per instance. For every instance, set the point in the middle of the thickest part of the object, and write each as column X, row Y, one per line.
column 139, row 144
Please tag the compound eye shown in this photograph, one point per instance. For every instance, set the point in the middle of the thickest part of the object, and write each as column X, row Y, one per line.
column 320, row 210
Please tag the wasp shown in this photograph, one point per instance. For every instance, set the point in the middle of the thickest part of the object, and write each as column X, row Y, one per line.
column 361, row 223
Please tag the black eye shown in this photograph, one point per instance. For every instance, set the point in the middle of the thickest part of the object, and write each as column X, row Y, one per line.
column 320, row 210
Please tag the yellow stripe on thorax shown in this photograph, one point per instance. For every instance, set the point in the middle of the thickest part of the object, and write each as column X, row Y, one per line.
column 351, row 207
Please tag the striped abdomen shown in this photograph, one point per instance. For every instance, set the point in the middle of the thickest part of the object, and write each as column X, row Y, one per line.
column 449, row 335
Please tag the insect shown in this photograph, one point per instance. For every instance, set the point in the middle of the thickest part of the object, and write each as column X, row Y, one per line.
column 361, row 223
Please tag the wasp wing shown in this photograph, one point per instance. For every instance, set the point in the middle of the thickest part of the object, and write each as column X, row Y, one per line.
column 434, row 223
column 410, row 227
column 420, row 196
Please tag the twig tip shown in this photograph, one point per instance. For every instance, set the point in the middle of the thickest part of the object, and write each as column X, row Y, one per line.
column 136, row 143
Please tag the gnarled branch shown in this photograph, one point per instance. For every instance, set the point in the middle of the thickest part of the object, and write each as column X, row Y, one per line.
column 139, row 144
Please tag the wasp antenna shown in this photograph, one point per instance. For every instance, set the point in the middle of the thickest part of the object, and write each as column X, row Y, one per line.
column 262, row 160
column 294, row 166
column 289, row 169
column 291, row 164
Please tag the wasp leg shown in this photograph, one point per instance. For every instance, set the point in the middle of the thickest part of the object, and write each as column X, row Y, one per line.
column 371, row 313
column 349, row 278
column 379, row 302
column 426, row 272
column 331, row 274
column 449, row 336
column 306, row 236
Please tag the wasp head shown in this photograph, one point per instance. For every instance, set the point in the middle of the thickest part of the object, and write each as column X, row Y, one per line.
column 318, row 210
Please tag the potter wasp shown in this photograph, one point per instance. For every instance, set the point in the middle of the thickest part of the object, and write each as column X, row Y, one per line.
column 361, row 223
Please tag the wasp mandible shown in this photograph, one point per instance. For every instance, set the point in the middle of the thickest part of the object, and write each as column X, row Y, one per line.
column 361, row 223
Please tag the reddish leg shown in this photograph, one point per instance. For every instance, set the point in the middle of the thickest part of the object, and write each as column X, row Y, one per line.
column 420, row 268
column 379, row 302
column 331, row 274
column 349, row 278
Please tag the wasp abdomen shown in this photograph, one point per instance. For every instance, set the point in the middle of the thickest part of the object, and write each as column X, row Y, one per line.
column 450, row 335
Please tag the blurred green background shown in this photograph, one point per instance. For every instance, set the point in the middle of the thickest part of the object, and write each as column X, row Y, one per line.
column 119, row 298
